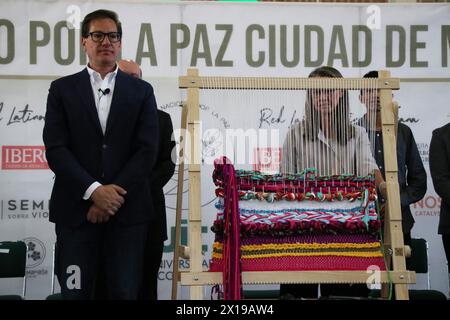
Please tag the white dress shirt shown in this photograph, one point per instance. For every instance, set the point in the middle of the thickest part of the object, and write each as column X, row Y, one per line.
column 103, row 105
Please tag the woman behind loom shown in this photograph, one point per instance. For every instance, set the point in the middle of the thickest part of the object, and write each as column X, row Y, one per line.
column 327, row 141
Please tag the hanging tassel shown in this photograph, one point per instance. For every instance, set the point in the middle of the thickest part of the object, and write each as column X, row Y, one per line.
column 365, row 206
column 232, row 281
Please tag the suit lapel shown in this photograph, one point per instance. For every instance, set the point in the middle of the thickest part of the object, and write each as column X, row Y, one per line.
column 84, row 90
column 119, row 96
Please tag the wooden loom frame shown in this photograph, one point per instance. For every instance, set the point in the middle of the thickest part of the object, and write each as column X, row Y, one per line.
column 393, row 235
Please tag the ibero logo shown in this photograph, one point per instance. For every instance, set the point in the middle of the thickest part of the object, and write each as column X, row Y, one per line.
column 267, row 159
column 23, row 157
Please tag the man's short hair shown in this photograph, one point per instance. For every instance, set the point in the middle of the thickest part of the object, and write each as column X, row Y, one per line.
column 99, row 14
column 370, row 74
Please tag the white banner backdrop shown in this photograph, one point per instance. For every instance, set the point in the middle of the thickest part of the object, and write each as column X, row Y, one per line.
column 253, row 39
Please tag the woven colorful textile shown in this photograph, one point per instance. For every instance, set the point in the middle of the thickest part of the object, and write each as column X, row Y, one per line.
column 301, row 222
column 313, row 252
column 293, row 219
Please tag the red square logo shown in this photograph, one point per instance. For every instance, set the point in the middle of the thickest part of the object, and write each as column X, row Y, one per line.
column 23, row 157
column 267, row 159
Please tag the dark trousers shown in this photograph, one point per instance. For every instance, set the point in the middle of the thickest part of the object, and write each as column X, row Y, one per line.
column 111, row 249
column 152, row 262
column 446, row 242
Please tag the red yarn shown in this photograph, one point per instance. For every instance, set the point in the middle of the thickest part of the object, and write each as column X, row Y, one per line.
column 231, row 268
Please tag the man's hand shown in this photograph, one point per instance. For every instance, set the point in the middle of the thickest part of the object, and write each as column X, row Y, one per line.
column 96, row 215
column 130, row 67
column 109, row 198
column 383, row 189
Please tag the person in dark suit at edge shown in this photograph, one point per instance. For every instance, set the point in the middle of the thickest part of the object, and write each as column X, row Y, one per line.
column 101, row 138
column 440, row 174
column 161, row 174
column 412, row 178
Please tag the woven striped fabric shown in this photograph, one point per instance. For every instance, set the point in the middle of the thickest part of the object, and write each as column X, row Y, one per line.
column 319, row 252
column 289, row 221
column 302, row 222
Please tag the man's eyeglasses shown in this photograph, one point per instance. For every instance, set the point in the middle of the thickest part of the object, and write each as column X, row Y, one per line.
column 98, row 36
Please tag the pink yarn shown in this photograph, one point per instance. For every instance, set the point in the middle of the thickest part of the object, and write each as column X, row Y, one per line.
column 231, row 268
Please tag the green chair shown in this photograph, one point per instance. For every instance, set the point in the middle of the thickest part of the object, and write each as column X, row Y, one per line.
column 261, row 294
column 13, row 264
column 418, row 262
column 53, row 272
column 54, row 296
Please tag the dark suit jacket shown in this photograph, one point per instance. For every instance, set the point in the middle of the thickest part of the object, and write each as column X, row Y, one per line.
column 79, row 154
column 161, row 174
column 412, row 177
column 440, row 173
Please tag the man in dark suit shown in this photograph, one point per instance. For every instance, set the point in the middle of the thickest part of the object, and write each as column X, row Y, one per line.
column 161, row 174
column 157, row 232
column 440, row 173
column 101, row 139
column 412, row 177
